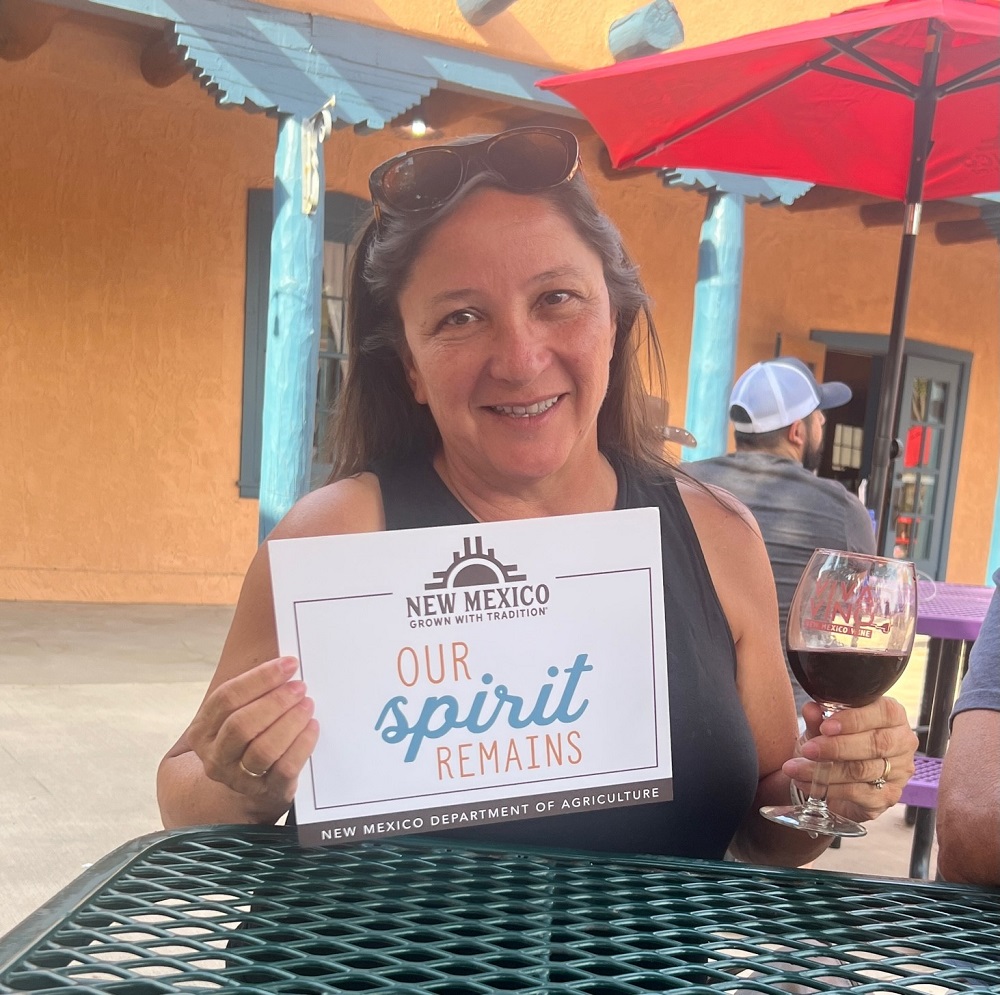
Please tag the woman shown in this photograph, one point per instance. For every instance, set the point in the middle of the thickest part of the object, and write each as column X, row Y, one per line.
column 493, row 322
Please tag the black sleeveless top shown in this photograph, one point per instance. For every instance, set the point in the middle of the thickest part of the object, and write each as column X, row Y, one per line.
column 714, row 756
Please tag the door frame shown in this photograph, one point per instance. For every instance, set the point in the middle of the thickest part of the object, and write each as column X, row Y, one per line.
column 873, row 344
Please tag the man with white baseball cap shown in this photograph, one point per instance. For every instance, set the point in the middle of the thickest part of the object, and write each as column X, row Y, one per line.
column 776, row 408
column 775, row 394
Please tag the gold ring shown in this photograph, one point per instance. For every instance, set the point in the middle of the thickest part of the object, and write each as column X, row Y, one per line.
column 252, row 773
column 880, row 781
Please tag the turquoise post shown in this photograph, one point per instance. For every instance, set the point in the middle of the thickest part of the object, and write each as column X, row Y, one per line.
column 712, row 365
column 293, row 321
column 993, row 563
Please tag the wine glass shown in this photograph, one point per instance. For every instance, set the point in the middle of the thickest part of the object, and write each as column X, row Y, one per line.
column 850, row 632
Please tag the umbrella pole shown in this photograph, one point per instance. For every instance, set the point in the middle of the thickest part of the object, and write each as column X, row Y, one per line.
column 880, row 481
column 887, row 421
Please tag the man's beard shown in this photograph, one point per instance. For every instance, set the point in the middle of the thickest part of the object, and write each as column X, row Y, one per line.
column 812, row 455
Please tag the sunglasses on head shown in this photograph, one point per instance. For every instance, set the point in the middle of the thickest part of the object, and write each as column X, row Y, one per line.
column 527, row 160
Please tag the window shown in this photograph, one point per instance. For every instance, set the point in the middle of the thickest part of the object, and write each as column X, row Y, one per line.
column 848, row 445
column 343, row 218
column 914, row 494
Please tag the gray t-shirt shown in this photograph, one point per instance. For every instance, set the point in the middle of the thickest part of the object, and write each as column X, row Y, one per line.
column 797, row 512
column 981, row 684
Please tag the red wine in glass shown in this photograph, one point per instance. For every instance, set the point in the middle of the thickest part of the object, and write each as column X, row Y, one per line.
column 846, row 677
column 850, row 631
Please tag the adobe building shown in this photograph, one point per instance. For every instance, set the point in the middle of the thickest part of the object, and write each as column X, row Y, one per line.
column 139, row 288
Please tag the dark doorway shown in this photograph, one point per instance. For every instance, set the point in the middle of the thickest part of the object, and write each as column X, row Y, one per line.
column 847, row 456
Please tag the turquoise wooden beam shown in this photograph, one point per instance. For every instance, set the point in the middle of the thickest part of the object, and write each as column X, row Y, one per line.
column 293, row 319
column 712, row 364
column 766, row 190
column 653, row 28
column 480, row 11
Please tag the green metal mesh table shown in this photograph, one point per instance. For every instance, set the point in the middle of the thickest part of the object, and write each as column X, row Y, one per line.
column 237, row 909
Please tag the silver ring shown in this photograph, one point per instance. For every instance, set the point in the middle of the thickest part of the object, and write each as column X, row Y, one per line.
column 881, row 780
column 252, row 773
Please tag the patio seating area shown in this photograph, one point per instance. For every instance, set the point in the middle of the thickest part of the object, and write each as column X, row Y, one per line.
column 93, row 695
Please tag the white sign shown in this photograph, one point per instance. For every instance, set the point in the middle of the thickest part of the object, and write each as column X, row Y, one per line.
column 477, row 673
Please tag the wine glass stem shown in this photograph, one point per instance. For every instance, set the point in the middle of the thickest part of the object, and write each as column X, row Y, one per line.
column 815, row 804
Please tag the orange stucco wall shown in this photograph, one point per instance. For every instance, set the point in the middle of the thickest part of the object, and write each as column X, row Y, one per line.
column 564, row 35
column 121, row 312
column 122, row 325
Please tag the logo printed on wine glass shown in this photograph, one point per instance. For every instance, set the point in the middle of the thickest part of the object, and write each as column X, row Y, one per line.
column 851, row 607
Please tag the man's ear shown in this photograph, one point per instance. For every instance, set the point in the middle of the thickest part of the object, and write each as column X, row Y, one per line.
column 798, row 434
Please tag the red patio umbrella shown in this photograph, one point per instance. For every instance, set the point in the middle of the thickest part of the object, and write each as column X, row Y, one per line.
column 899, row 99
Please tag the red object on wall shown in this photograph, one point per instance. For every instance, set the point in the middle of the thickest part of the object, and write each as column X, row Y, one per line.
column 918, row 446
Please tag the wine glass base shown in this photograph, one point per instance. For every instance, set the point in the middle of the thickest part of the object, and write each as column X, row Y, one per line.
column 827, row 824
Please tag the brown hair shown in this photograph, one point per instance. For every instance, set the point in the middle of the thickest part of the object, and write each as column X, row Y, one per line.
column 377, row 415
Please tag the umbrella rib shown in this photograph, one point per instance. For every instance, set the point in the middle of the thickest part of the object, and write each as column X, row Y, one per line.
column 882, row 84
column 970, row 80
column 850, row 50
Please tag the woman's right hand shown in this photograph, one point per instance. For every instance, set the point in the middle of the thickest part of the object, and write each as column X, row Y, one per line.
column 254, row 732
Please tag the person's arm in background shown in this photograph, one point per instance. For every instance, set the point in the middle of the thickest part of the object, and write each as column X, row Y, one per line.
column 968, row 819
column 968, row 812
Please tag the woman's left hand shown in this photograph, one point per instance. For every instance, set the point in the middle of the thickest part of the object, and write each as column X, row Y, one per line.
column 871, row 751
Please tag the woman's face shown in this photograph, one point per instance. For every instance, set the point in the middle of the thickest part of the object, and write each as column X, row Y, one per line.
column 509, row 334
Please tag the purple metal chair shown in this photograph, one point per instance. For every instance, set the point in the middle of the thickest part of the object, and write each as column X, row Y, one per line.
column 921, row 790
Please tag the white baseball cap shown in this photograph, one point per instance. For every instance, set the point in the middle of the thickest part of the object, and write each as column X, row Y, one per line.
column 777, row 392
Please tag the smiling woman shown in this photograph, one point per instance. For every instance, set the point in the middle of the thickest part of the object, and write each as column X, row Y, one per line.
column 493, row 327
column 510, row 352
column 535, row 193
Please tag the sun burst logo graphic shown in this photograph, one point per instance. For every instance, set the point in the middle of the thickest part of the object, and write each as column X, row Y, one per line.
column 474, row 567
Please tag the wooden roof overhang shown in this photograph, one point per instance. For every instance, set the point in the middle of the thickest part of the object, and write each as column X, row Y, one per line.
column 288, row 62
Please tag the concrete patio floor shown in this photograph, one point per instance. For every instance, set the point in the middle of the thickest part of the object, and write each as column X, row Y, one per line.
column 91, row 696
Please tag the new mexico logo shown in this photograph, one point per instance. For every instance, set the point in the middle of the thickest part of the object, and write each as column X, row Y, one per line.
column 476, row 587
